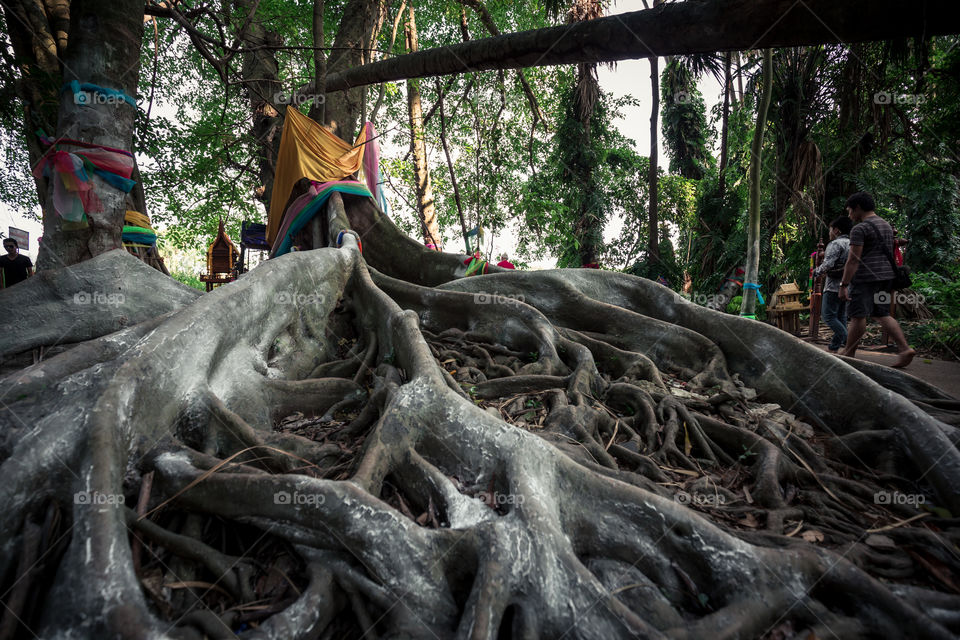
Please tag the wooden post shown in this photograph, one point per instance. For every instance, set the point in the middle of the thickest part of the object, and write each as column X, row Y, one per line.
column 816, row 295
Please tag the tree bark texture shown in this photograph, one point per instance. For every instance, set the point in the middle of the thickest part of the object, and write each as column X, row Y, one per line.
column 261, row 79
column 103, row 49
column 39, row 35
column 359, row 26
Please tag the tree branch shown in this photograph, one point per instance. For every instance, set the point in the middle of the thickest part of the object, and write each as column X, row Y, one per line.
column 670, row 29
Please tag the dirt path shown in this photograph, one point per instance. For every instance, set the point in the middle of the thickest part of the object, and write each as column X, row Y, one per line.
column 940, row 373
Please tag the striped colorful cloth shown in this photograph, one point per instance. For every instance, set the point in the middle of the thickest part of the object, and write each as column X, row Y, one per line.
column 476, row 266
column 302, row 210
column 140, row 235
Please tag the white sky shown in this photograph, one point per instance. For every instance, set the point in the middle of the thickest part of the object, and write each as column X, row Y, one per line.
column 629, row 77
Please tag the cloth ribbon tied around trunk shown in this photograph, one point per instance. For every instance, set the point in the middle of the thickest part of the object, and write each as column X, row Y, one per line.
column 71, row 172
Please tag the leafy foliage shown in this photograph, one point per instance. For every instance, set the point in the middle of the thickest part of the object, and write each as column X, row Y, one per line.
column 684, row 121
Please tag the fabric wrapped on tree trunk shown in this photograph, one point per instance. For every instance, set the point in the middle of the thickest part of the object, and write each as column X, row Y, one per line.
column 309, row 150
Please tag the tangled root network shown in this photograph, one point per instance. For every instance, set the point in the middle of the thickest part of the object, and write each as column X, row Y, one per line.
column 320, row 450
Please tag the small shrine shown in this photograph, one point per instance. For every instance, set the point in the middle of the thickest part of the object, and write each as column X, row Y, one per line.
column 786, row 308
column 223, row 260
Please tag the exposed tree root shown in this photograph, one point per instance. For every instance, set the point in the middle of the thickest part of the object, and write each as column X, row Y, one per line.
column 520, row 455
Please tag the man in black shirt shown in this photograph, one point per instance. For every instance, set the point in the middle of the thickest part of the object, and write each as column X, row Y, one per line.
column 867, row 277
column 14, row 268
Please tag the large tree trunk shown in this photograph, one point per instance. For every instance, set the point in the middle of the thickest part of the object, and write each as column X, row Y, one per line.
column 39, row 36
column 103, row 49
column 671, row 29
column 261, row 79
column 359, row 25
column 426, row 207
column 582, row 454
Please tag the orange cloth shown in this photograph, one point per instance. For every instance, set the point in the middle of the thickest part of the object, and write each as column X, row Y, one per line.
column 308, row 150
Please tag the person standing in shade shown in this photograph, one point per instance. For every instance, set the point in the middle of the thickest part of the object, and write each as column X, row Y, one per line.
column 867, row 277
column 14, row 268
column 506, row 264
column 835, row 257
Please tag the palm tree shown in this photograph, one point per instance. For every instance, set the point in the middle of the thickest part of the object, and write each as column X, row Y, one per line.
column 588, row 225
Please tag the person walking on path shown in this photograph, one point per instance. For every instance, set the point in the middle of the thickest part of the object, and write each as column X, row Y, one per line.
column 835, row 310
column 867, row 277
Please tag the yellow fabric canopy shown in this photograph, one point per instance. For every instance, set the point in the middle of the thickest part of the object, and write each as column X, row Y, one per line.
column 308, row 150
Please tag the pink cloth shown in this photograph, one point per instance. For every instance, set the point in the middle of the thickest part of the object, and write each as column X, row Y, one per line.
column 506, row 264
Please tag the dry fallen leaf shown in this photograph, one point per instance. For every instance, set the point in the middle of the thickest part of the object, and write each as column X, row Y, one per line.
column 812, row 535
